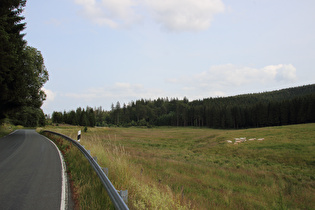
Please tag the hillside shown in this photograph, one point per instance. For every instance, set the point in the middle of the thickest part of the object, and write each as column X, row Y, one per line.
column 271, row 96
column 282, row 107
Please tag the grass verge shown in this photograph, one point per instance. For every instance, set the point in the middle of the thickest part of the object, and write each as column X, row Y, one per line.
column 7, row 128
column 87, row 190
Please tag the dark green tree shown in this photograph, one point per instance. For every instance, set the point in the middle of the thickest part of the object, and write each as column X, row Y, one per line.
column 32, row 96
column 28, row 116
column 22, row 69
column 11, row 51
column 57, row 117
column 91, row 116
column 35, row 76
column 72, row 118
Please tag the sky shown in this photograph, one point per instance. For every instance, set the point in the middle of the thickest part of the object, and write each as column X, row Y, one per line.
column 98, row 52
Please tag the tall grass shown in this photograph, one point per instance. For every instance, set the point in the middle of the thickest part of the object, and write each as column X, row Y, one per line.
column 143, row 192
column 87, row 190
column 186, row 168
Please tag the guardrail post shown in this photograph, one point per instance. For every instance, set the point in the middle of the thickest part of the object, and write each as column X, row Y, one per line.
column 95, row 158
column 79, row 135
column 105, row 171
column 124, row 195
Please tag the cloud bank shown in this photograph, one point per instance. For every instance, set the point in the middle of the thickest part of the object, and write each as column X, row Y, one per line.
column 118, row 92
column 218, row 79
column 173, row 15
column 184, row 15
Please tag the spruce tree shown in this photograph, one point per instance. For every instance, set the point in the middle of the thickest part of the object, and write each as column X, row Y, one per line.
column 11, row 51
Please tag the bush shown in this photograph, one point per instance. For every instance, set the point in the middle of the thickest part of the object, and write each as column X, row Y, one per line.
column 28, row 117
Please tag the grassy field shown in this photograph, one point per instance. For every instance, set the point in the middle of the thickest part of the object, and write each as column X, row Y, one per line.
column 193, row 168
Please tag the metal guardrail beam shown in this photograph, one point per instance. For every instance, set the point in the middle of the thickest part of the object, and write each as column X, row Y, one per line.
column 112, row 192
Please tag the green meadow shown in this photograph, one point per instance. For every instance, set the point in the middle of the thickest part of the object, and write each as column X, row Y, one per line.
column 196, row 168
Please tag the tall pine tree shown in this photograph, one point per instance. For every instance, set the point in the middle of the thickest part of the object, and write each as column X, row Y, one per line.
column 11, row 51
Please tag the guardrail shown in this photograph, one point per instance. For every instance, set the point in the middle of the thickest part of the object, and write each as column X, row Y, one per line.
column 112, row 192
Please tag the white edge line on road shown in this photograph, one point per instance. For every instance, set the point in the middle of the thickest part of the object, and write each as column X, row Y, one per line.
column 13, row 132
column 64, row 181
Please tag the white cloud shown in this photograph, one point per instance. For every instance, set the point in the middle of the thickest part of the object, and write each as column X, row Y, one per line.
column 124, row 92
column 221, row 79
column 282, row 72
column 173, row 15
column 55, row 22
column 242, row 75
column 185, row 15
column 50, row 96
column 112, row 13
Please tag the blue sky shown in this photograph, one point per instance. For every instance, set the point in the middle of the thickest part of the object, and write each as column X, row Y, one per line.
column 98, row 52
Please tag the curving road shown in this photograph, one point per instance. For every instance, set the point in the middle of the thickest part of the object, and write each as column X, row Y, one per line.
column 31, row 172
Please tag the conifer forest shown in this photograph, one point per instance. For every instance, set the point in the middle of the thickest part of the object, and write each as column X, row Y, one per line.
column 282, row 107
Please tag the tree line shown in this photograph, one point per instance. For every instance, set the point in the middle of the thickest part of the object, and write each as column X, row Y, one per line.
column 282, row 107
column 22, row 70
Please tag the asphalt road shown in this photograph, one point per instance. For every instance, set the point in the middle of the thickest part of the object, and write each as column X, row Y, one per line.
column 30, row 172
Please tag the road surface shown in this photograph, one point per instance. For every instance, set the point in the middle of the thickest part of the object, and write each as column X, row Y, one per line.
column 31, row 174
